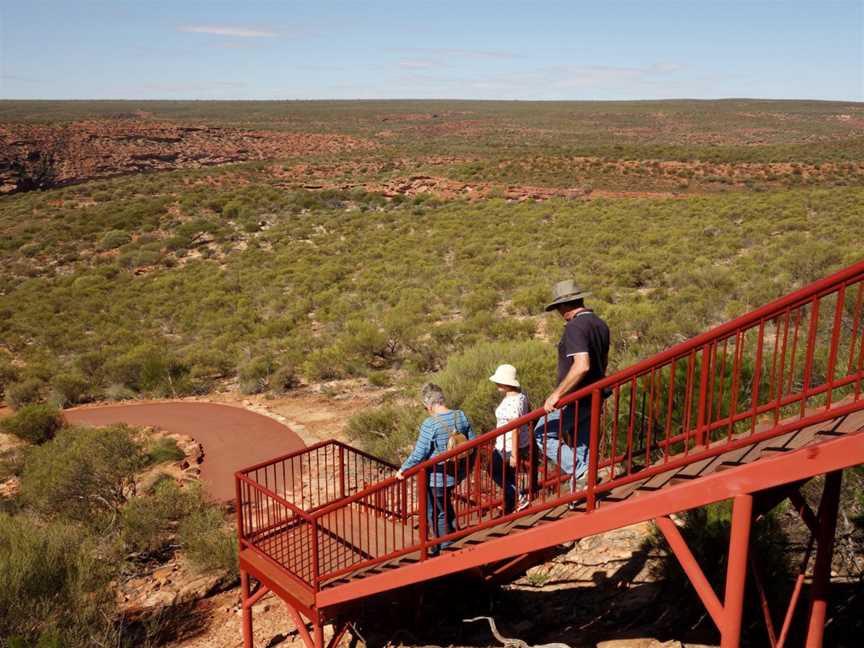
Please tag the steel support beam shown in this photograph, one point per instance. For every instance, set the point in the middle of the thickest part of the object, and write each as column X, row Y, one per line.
column 691, row 567
column 736, row 571
column 824, row 551
column 300, row 624
column 248, row 637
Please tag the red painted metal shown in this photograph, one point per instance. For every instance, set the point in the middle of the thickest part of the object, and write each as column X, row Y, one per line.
column 763, row 599
column 796, row 593
column 824, row 551
column 736, row 571
column 248, row 637
column 691, row 567
column 329, row 510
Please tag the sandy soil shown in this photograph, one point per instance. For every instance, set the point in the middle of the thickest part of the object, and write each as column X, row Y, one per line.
column 232, row 437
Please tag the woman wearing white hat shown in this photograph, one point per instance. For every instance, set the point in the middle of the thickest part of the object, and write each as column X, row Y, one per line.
column 505, row 458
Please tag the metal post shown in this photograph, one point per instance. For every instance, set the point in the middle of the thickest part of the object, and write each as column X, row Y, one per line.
column 736, row 571
column 341, row 472
column 319, row 634
column 422, row 504
column 703, row 395
column 824, row 550
column 316, row 569
column 593, row 448
column 246, row 610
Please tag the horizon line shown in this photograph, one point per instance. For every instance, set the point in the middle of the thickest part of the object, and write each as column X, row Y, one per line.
column 439, row 99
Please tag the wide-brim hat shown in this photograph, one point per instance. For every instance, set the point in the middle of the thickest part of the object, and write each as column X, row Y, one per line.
column 505, row 374
column 565, row 292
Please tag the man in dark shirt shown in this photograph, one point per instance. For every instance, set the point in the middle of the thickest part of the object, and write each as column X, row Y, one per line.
column 583, row 354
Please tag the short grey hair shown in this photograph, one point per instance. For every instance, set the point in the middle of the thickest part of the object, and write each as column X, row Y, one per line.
column 431, row 394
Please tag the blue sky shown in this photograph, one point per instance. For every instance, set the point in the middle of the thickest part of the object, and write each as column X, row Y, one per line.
column 612, row 49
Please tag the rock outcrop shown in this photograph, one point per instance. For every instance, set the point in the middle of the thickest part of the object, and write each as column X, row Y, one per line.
column 40, row 156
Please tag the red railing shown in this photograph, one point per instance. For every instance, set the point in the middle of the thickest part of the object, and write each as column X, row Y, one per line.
column 775, row 369
column 277, row 501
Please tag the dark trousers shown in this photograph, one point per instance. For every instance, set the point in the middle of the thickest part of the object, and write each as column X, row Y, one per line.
column 504, row 474
column 440, row 515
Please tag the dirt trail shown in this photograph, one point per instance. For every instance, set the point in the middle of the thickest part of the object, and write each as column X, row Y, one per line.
column 232, row 437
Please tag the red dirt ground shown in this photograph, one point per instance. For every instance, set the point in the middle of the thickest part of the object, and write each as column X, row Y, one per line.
column 232, row 437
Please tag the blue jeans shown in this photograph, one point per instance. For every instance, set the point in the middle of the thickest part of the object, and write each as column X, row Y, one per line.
column 440, row 515
column 573, row 462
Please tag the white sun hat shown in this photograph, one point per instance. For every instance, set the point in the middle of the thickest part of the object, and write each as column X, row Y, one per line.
column 505, row 374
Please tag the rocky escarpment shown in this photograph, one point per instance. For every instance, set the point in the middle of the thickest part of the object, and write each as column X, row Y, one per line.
column 39, row 156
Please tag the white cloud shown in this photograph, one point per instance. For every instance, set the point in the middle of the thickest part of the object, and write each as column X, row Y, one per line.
column 229, row 31
column 420, row 64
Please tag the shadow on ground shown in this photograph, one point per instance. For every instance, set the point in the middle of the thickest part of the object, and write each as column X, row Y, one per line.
column 582, row 614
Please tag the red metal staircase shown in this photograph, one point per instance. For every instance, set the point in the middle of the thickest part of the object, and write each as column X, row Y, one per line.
column 748, row 411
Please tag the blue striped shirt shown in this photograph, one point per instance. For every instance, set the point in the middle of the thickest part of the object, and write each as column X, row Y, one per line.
column 432, row 441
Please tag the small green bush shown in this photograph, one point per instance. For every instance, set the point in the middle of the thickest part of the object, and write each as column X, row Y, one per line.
column 55, row 585
column 34, row 423
column 117, row 392
column 163, row 450
column 25, row 392
column 284, row 379
column 84, row 474
column 8, row 374
column 114, row 239
column 147, row 522
column 388, row 431
column 208, row 541
column 255, row 375
column 69, row 389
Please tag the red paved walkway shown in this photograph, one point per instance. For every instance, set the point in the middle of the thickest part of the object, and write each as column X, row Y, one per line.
column 232, row 437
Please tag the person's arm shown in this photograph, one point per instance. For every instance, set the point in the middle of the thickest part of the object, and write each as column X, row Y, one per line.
column 578, row 370
column 421, row 452
column 514, row 446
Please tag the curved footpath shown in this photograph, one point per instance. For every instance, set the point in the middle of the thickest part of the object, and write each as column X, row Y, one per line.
column 232, row 437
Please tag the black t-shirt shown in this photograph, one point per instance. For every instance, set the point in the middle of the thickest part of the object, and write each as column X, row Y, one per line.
column 584, row 333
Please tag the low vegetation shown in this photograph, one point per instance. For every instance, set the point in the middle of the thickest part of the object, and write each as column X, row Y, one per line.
column 33, row 423
column 81, row 522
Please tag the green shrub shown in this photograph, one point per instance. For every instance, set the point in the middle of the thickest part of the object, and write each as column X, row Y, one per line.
column 378, row 378
column 163, row 450
column 55, row 585
column 117, row 392
column 148, row 368
column 34, row 423
column 8, row 374
column 208, row 541
column 284, row 379
column 147, row 522
column 84, row 474
column 388, row 431
column 25, row 392
column 255, row 375
column 69, row 389
column 114, row 239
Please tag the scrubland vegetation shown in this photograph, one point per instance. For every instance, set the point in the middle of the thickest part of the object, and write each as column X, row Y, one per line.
column 270, row 287
column 82, row 520
column 179, row 283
